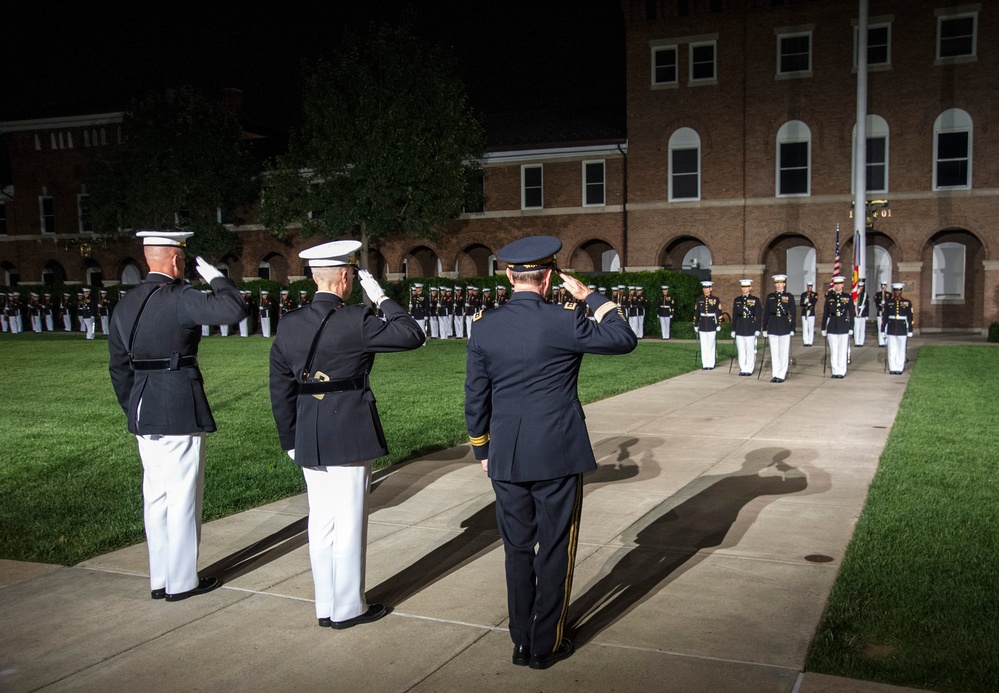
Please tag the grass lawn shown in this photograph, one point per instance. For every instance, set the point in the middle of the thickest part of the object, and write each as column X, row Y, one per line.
column 70, row 476
column 916, row 602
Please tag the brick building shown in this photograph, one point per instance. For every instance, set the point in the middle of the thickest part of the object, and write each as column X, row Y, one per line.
column 737, row 158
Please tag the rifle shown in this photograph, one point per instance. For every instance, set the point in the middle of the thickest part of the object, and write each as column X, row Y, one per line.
column 732, row 360
column 763, row 359
column 825, row 354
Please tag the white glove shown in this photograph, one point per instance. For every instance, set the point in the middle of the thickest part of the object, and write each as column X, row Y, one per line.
column 732, row 335
column 909, row 334
column 792, row 333
column 371, row 287
column 825, row 333
column 696, row 331
column 718, row 329
column 850, row 332
column 764, row 335
column 756, row 334
column 207, row 272
column 291, row 454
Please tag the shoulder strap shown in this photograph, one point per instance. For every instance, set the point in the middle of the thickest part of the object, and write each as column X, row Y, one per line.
column 307, row 369
column 135, row 325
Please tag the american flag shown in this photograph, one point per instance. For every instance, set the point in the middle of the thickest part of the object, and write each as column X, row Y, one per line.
column 836, row 264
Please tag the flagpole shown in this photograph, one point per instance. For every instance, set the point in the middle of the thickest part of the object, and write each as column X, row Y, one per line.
column 860, row 159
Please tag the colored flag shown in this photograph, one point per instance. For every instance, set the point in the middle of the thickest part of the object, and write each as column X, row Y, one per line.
column 856, row 267
column 836, row 263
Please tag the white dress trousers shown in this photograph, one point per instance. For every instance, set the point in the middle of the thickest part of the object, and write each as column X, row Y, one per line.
column 244, row 327
column 808, row 330
column 105, row 323
column 881, row 335
column 664, row 325
column 67, row 321
column 780, row 354
column 859, row 331
column 88, row 323
column 434, row 327
column 707, row 339
column 338, row 537
column 896, row 352
column 747, row 353
column 839, row 351
column 173, row 483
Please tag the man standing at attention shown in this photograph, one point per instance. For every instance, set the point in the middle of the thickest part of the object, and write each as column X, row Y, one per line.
column 897, row 327
column 809, row 301
column 153, row 343
column 666, row 307
column 326, row 419
column 746, row 311
column 707, row 323
column 778, row 327
column 837, row 326
column 526, row 426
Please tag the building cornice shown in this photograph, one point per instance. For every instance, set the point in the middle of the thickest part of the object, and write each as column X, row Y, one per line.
column 60, row 123
column 574, row 152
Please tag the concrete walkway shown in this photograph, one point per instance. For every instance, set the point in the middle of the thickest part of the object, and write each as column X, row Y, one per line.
column 712, row 533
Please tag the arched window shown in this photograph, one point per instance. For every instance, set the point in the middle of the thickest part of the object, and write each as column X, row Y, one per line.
column 610, row 261
column 800, row 267
column 877, row 155
column 952, row 150
column 684, row 165
column 698, row 257
column 878, row 267
column 264, row 270
column 131, row 275
column 794, row 155
column 948, row 272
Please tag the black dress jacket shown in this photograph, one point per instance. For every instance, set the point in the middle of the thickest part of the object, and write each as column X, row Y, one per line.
column 173, row 398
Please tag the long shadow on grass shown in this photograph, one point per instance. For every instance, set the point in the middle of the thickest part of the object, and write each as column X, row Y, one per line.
column 480, row 535
column 670, row 539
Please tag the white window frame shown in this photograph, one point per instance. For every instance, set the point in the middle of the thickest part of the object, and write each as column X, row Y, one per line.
column 676, row 65
column 951, row 121
column 602, row 183
column 682, row 140
column 794, row 132
column 41, row 213
column 877, row 128
column 942, row 252
column 875, row 23
column 952, row 13
column 523, row 186
column 713, row 79
column 790, row 74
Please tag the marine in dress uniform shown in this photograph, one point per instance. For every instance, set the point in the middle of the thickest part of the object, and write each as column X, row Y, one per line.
column 264, row 314
column 860, row 315
column 3, row 313
column 526, row 426
column 85, row 312
column 66, row 308
column 501, row 296
column 104, row 311
column 898, row 327
column 327, row 421
column 707, row 324
column 473, row 304
column 778, row 327
column 418, row 306
column 433, row 312
column 35, row 310
column 837, row 326
column 642, row 308
column 633, row 309
column 48, row 310
column 153, row 345
column 808, row 303
column 446, row 312
column 746, row 316
column 879, row 306
column 488, row 302
column 244, row 324
column 459, row 313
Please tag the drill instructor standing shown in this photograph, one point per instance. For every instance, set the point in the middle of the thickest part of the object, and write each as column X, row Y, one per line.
column 153, row 343
column 526, row 426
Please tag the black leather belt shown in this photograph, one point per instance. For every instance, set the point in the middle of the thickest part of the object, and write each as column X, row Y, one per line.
column 342, row 385
column 171, row 364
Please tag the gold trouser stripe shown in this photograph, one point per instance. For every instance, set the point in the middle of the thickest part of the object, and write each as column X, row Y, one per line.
column 577, row 511
column 478, row 441
column 603, row 310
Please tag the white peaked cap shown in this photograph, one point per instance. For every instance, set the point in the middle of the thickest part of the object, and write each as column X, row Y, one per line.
column 332, row 254
column 174, row 239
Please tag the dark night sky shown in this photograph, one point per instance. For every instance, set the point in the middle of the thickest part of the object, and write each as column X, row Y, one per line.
column 515, row 55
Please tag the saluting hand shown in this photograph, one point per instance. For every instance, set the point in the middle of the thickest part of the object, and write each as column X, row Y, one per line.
column 578, row 289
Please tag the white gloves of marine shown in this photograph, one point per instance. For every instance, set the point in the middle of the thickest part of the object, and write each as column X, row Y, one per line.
column 371, row 287
column 825, row 333
column 909, row 334
column 764, row 335
column 732, row 335
column 291, row 454
column 207, row 272
column 756, row 334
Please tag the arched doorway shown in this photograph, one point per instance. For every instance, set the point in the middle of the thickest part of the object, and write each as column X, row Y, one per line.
column 686, row 253
column 595, row 256
column 952, row 282
column 474, row 261
column 53, row 274
column 421, row 262
column 794, row 255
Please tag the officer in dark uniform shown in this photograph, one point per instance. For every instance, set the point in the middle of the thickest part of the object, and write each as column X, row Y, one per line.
column 879, row 306
column 264, row 313
column 778, row 327
column 642, row 304
column 446, row 313
column 153, row 344
column 501, row 295
column 707, row 323
column 459, row 312
column 746, row 316
column 488, row 302
column 898, row 327
column 473, row 304
column 837, row 326
column 104, row 310
column 526, row 427
column 667, row 305
column 85, row 312
column 433, row 312
column 327, row 421
column 418, row 306
column 809, row 302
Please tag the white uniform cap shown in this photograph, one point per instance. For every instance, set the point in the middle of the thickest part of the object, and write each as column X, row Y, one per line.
column 175, row 239
column 707, row 283
column 591, row 286
column 780, row 277
column 332, row 254
column 745, row 282
column 417, row 285
column 472, row 288
column 838, row 279
column 898, row 285
column 500, row 286
column 664, row 286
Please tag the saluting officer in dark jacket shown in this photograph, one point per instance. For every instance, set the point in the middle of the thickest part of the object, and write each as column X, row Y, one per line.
column 326, row 419
column 746, row 316
column 837, row 326
column 778, row 327
column 526, row 427
column 153, row 344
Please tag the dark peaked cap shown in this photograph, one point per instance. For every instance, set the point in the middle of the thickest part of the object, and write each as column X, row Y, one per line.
column 531, row 253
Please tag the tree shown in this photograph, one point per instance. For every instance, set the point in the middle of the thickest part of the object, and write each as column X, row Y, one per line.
column 182, row 163
column 389, row 144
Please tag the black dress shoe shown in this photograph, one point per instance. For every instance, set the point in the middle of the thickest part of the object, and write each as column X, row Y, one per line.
column 325, row 623
column 779, row 380
column 374, row 612
column 773, row 380
column 158, row 594
column 521, row 655
column 205, row 584
column 564, row 651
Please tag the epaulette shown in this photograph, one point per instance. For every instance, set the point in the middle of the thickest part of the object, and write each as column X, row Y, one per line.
column 570, row 305
column 478, row 314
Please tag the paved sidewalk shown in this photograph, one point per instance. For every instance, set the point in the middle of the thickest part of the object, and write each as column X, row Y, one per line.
column 712, row 533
